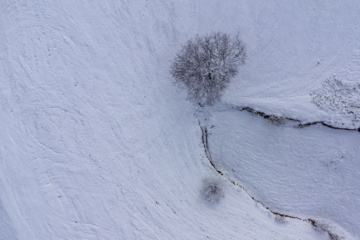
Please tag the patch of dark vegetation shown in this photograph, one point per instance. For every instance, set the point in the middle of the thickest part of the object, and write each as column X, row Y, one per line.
column 339, row 97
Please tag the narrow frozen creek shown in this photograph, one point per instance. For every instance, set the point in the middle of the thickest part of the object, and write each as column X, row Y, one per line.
column 308, row 173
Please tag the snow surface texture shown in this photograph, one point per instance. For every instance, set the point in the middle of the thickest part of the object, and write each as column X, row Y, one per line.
column 97, row 143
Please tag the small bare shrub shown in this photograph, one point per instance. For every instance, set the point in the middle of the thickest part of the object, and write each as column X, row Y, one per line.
column 212, row 190
column 281, row 219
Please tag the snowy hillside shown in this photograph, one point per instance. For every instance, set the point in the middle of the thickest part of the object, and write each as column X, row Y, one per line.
column 96, row 142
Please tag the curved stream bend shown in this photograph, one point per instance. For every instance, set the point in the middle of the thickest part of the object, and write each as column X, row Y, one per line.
column 203, row 122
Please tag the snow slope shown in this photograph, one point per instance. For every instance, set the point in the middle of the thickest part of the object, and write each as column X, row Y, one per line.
column 97, row 143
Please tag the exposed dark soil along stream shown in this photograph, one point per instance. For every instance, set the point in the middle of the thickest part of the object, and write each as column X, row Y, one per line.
column 275, row 119
column 278, row 120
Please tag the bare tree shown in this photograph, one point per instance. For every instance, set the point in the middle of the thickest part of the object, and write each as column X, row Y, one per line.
column 206, row 64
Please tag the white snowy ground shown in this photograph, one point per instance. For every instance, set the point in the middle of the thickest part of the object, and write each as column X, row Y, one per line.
column 97, row 143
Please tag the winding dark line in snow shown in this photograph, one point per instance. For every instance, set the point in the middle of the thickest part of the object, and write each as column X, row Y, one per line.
column 313, row 222
column 280, row 120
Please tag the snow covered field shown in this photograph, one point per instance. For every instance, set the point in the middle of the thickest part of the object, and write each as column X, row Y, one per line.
column 97, row 143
